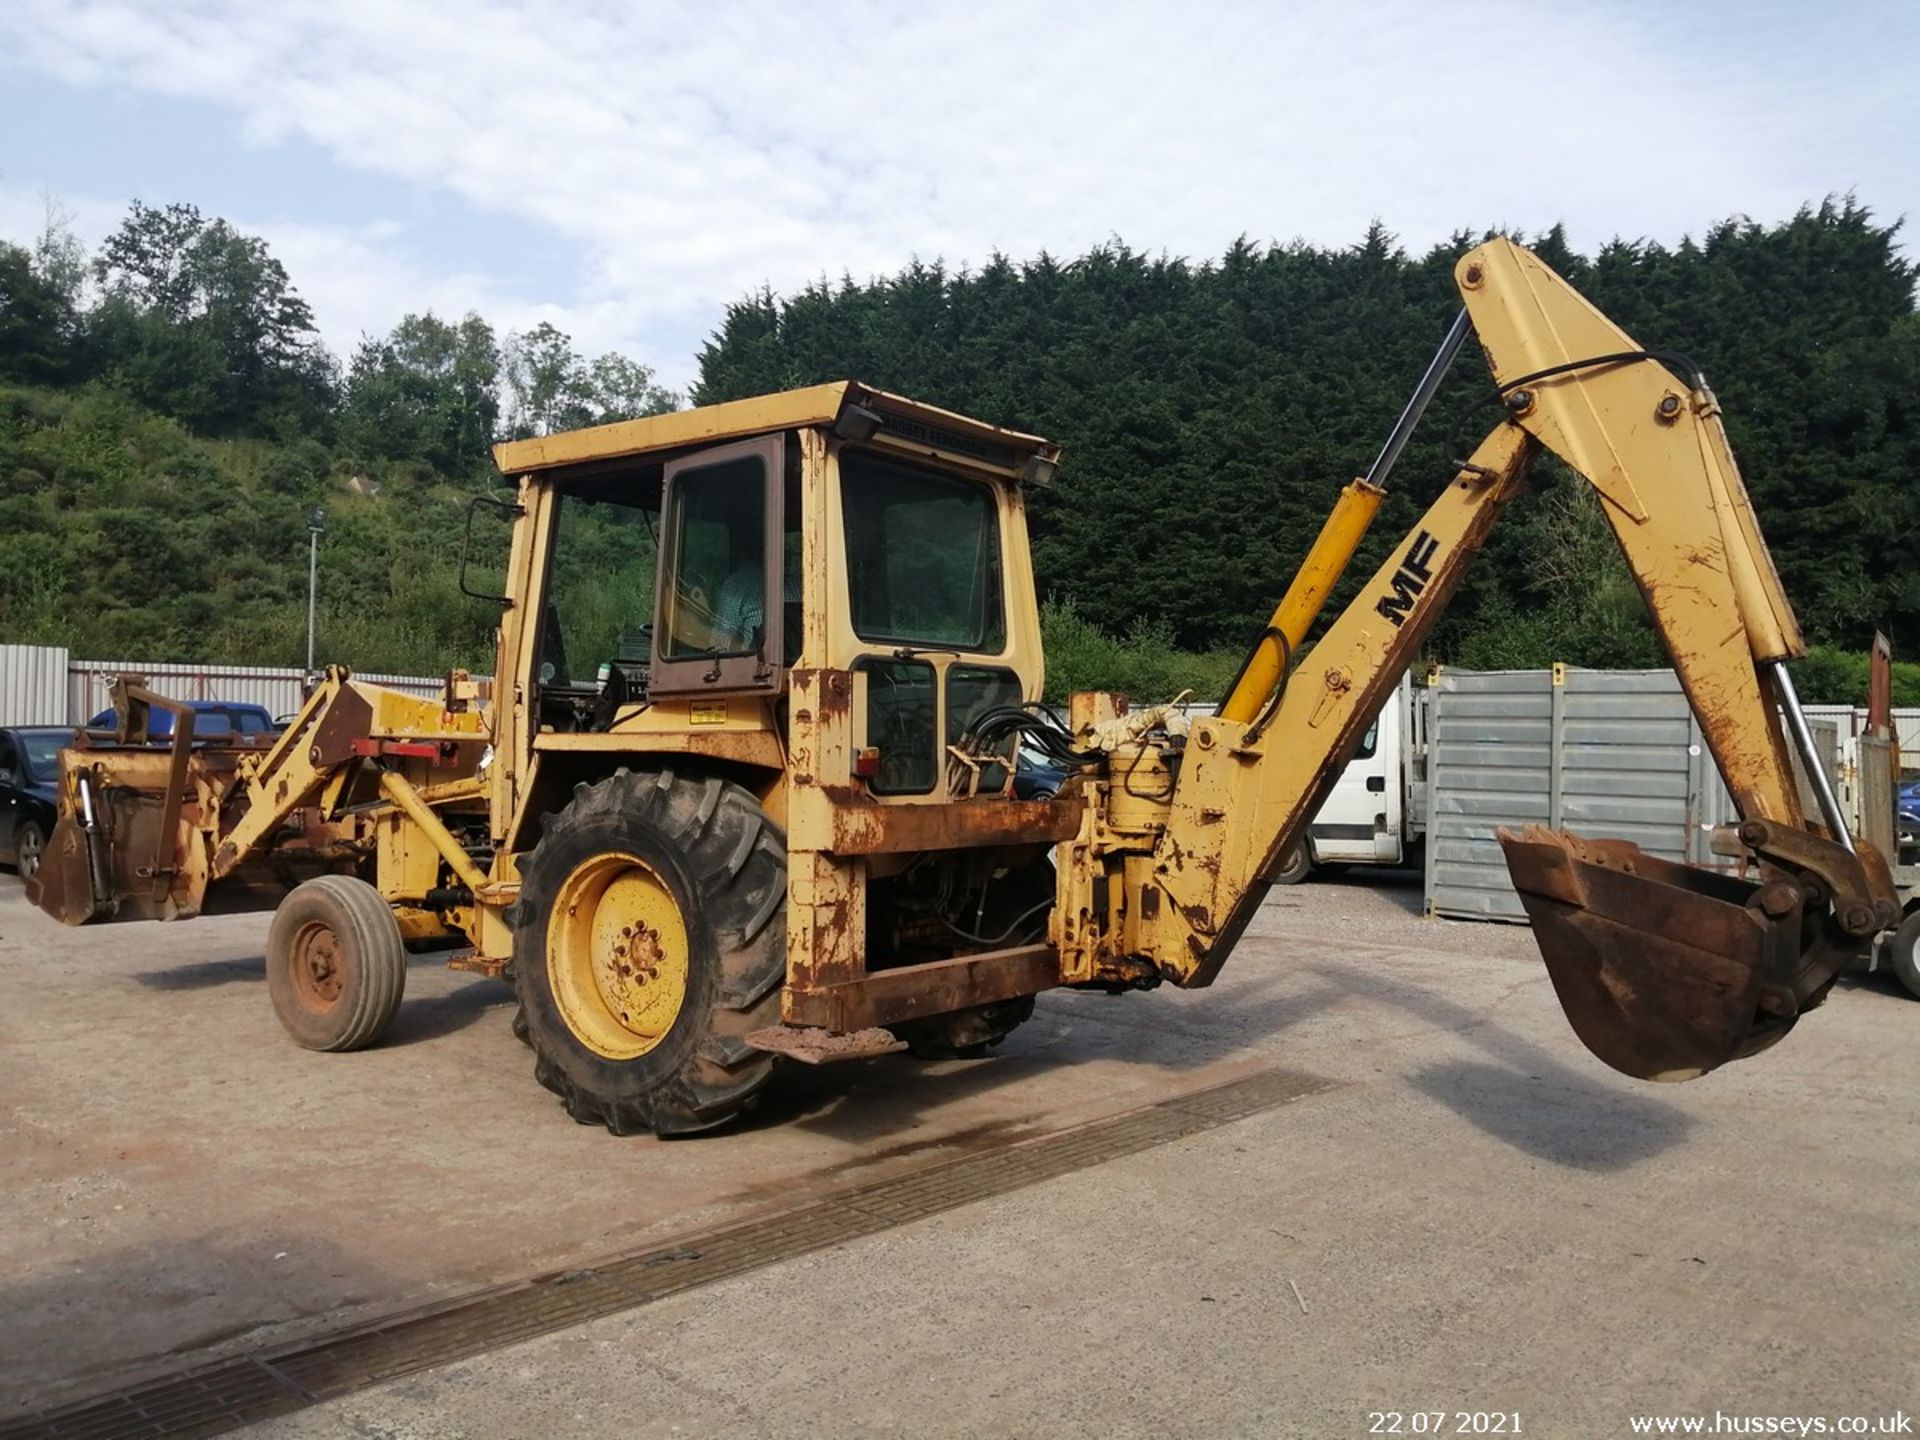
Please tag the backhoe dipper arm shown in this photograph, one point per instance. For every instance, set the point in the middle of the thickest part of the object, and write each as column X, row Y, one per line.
column 1665, row 971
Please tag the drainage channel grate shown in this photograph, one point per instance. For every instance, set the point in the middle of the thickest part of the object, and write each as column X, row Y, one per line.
column 232, row 1393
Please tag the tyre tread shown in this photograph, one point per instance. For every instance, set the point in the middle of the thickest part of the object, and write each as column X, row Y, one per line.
column 736, row 858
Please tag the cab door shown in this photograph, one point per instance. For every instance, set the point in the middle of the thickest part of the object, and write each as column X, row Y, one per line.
column 723, row 612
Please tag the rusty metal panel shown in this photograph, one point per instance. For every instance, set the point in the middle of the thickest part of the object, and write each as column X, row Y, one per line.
column 33, row 685
column 862, row 827
column 907, row 992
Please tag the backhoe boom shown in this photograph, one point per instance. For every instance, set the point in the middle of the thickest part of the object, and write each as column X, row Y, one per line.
column 1665, row 971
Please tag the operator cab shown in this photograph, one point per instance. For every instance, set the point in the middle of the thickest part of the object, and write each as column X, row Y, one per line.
column 692, row 560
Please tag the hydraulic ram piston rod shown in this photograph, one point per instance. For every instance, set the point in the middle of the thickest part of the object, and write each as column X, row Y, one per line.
column 1816, row 768
column 1422, row 397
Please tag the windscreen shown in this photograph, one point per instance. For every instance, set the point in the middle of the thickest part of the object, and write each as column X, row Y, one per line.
column 923, row 557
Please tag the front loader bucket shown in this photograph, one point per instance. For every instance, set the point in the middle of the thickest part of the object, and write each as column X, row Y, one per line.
column 68, row 882
column 1665, row 971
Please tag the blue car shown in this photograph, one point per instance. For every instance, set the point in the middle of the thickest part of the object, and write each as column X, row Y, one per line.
column 1037, row 776
column 213, row 719
column 29, row 792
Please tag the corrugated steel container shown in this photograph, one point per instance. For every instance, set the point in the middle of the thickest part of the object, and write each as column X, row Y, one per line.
column 33, row 685
column 1612, row 754
column 1489, row 763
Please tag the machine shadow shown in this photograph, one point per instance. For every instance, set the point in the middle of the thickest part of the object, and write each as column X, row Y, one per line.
column 420, row 1017
column 207, row 975
column 1584, row 1128
column 1524, row 1095
column 868, row 1101
column 75, row 1331
column 1877, row 982
column 430, row 1017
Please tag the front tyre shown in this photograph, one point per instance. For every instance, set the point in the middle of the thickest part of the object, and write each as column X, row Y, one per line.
column 649, row 942
column 336, row 964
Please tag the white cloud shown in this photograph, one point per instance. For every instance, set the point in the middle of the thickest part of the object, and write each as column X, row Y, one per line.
column 694, row 152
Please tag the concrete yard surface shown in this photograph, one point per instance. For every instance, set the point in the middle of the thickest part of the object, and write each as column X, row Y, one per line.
column 1473, row 1216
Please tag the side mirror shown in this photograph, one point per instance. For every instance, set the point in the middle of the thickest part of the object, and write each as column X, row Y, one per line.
column 466, row 543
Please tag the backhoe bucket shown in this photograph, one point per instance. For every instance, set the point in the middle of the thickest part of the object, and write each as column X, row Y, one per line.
column 1665, row 971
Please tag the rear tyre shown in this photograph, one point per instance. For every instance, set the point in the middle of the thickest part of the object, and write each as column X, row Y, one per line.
column 336, row 964
column 29, row 845
column 1903, row 952
column 1296, row 867
column 649, row 942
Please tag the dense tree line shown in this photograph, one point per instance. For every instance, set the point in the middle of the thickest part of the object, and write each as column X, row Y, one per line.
column 1210, row 413
column 168, row 415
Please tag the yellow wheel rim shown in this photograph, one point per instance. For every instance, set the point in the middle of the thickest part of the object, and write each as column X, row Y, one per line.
column 617, row 956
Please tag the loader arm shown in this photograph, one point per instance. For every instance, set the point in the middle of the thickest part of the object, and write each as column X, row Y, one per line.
column 1664, row 970
column 146, row 833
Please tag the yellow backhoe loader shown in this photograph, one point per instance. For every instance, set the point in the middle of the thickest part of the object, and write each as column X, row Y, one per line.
column 740, row 786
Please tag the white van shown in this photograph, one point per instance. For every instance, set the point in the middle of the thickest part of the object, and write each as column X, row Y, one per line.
column 1376, row 813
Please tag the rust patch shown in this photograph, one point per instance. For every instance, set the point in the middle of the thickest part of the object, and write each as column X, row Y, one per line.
column 861, row 826
column 909, row 992
column 835, row 693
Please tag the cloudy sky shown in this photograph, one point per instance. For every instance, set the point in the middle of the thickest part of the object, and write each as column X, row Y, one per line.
column 625, row 168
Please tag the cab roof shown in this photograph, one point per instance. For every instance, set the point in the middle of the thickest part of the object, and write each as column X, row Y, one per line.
column 859, row 411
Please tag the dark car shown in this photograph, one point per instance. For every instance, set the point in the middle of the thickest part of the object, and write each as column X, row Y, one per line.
column 213, row 719
column 29, row 790
column 1037, row 776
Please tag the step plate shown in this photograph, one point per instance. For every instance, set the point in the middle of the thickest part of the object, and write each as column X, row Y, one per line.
column 814, row 1046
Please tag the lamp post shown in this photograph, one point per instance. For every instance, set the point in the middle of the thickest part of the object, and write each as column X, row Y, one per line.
column 316, row 527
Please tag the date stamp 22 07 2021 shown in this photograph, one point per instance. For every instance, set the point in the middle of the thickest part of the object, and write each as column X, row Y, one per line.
column 1443, row 1422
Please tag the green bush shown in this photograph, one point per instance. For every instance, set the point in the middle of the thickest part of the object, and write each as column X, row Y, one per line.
column 1827, row 676
column 1144, row 664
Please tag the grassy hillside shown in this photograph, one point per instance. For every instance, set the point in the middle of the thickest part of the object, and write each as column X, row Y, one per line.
column 121, row 534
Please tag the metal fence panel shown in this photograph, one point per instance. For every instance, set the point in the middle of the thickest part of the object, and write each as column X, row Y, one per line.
column 33, row 685
column 1625, row 769
column 278, row 688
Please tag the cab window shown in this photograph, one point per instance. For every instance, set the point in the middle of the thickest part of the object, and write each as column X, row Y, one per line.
column 923, row 557
column 729, row 604
column 718, row 530
column 600, row 585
